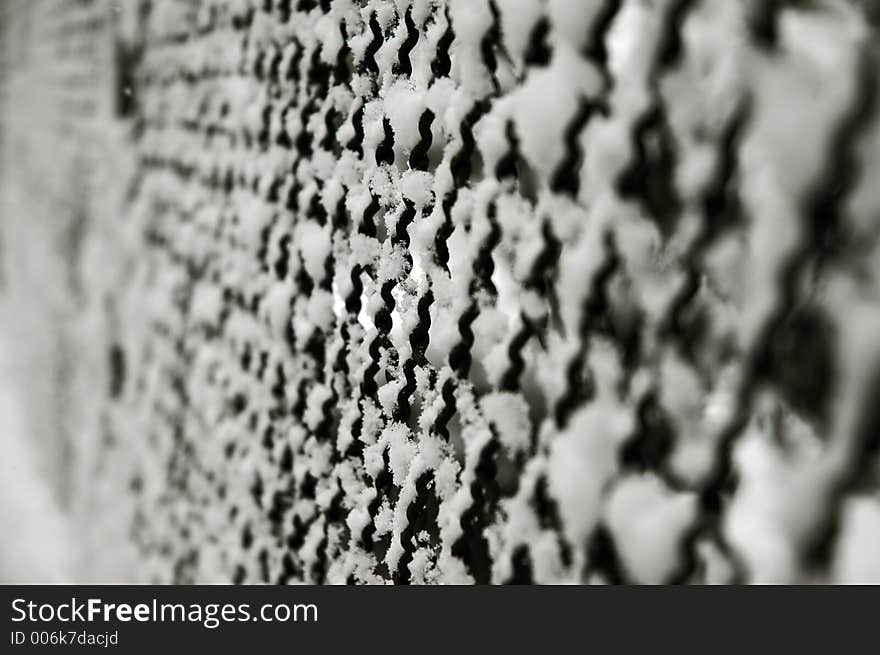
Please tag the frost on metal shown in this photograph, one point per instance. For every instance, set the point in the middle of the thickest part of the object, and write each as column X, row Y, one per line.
column 503, row 291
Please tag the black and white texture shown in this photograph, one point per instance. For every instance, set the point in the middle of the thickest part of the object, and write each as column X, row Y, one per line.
column 492, row 291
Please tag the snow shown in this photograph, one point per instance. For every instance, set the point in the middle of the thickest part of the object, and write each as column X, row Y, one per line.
column 508, row 413
column 648, row 521
column 857, row 560
column 582, row 461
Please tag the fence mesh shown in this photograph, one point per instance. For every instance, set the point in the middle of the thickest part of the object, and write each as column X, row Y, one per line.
column 503, row 291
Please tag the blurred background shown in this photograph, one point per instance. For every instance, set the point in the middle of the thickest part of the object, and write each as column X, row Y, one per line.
column 63, row 172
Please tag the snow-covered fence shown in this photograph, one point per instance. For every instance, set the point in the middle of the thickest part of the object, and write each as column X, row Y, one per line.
column 487, row 291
